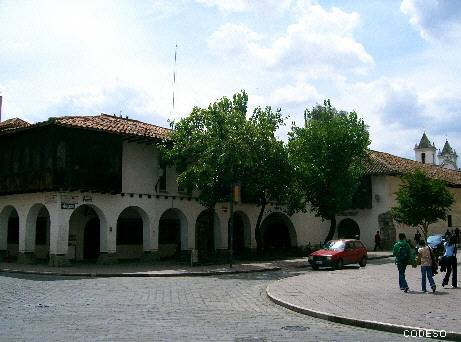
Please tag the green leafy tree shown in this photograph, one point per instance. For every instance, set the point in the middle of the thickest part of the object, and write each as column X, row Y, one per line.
column 422, row 200
column 217, row 146
column 329, row 156
column 268, row 173
column 206, row 153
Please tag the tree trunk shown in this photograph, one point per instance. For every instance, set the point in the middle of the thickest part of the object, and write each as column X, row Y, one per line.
column 258, row 235
column 332, row 230
column 425, row 228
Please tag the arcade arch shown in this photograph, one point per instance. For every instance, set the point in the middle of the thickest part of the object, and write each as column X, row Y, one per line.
column 9, row 232
column 86, row 225
column 207, row 232
column 242, row 232
column 130, row 233
column 37, row 235
column 278, row 233
column 173, row 233
column 348, row 229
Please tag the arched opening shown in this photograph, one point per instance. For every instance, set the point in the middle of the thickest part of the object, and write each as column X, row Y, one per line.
column 37, row 235
column 348, row 229
column 242, row 234
column 278, row 234
column 85, row 225
column 172, row 235
column 42, row 234
column 91, row 239
column 13, row 234
column 9, row 232
column 239, row 234
column 130, row 227
column 204, row 234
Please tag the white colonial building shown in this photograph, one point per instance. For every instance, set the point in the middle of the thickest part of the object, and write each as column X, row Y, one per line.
column 91, row 188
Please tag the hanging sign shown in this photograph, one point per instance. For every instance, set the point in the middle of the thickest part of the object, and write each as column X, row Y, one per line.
column 51, row 199
column 68, row 201
column 87, row 199
column 67, row 206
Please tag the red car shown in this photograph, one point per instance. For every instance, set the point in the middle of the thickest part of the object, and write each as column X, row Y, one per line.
column 337, row 253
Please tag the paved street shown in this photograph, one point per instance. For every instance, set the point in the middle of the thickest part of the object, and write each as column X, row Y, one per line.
column 230, row 307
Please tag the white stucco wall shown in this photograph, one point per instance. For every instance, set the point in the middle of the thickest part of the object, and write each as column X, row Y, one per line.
column 140, row 171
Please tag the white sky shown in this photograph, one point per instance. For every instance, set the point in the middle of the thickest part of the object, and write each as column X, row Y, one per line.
column 396, row 63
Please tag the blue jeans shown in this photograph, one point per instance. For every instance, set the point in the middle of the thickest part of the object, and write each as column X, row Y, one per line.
column 402, row 281
column 426, row 271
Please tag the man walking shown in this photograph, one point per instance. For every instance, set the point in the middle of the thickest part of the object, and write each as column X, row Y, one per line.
column 403, row 257
column 377, row 241
column 417, row 237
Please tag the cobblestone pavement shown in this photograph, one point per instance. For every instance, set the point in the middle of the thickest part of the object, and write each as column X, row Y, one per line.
column 232, row 307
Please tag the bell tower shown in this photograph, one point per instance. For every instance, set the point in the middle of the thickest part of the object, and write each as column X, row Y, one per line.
column 425, row 151
column 448, row 157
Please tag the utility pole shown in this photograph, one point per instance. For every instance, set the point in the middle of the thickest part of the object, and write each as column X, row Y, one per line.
column 234, row 198
column 231, row 227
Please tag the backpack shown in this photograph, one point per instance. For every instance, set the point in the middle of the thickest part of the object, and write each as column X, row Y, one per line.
column 402, row 254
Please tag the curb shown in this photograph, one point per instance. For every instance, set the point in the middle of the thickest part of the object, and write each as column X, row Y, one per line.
column 374, row 325
column 133, row 275
column 155, row 273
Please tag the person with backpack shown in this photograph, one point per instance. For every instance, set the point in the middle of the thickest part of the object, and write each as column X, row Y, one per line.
column 403, row 257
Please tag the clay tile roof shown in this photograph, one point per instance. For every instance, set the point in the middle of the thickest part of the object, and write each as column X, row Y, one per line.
column 12, row 124
column 113, row 124
column 385, row 163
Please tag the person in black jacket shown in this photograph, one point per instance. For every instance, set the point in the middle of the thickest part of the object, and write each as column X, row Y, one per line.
column 451, row 262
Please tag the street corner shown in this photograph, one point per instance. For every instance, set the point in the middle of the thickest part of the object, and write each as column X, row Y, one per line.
column 369, row 298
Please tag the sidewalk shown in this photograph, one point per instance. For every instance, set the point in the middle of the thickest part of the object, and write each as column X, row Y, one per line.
column 159, row 268
column 370, row 298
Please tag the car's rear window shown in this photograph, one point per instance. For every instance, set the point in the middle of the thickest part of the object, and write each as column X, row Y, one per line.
column 334, row 245
column 358, row 244
column 434, row 239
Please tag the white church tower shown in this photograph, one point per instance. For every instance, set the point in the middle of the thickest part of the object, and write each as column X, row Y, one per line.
column 448, row 157
column 425, row 152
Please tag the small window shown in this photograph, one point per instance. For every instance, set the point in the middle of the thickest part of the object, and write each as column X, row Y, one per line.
column 61, row 155
column 37, row 162
column 423, row 157
column 181, row 189
column 47, row 156
column 16, row 159
column 162, row 179
column 449, row 219
column 26, row 159
column 6, row 161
